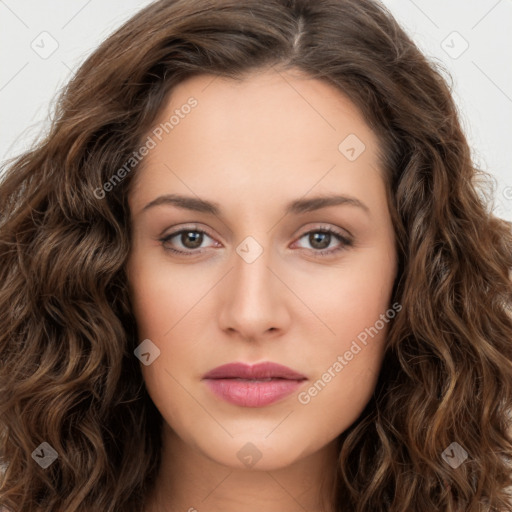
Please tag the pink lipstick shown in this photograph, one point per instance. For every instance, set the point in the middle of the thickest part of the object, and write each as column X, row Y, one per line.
column 253, row 385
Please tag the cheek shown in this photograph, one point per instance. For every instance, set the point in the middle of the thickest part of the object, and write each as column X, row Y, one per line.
column 348, row 357
column 161, row 296
column 169, row 307
column 163, row 305
column 351, row 299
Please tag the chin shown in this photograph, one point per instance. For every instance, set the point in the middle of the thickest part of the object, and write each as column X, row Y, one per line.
column 261, row 452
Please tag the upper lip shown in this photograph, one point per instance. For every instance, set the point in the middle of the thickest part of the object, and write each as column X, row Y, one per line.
column 257, row 371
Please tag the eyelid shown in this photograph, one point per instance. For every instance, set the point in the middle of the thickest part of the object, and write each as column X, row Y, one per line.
column 343, row 233
column 345, row 240
column 192, row 227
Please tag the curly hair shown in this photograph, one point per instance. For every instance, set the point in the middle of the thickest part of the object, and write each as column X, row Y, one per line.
column 68, row 375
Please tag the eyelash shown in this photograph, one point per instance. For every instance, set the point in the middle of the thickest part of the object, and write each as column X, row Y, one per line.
column 345, row 241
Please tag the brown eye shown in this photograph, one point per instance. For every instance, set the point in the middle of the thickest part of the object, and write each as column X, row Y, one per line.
column 319, row 239
column 191, row 239
column 322, row 242
column 185, row 241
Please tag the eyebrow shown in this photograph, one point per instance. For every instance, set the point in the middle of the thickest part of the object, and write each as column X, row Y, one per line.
column 297, row 206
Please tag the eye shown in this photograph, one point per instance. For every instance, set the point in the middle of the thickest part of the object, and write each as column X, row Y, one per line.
column 189, row 238
column 326, row 241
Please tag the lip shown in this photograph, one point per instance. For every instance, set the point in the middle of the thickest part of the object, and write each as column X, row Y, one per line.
column 253, row 385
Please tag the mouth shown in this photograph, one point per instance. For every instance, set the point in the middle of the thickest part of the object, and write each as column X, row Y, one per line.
column 253, row 385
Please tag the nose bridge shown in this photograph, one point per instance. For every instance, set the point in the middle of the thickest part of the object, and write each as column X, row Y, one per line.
column 251, row 276
column 253, row 303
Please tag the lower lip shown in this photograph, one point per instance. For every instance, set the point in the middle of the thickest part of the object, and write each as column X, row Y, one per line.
column 247, row 393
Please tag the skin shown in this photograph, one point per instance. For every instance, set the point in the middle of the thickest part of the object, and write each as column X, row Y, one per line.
column 252, row 146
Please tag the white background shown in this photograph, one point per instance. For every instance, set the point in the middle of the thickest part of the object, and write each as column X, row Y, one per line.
column 482, row 74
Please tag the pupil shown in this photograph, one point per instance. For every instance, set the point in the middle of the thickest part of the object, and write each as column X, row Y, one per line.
column 323, row 238
column 196, row 238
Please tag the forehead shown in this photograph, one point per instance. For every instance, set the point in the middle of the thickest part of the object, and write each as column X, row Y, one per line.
column 270, row 130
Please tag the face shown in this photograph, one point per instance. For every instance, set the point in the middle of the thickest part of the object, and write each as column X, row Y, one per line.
column 261, row 234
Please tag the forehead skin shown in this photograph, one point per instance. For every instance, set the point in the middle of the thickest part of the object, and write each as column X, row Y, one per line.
column 285, row 145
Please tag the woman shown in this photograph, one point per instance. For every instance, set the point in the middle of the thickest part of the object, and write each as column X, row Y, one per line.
column 249, row 267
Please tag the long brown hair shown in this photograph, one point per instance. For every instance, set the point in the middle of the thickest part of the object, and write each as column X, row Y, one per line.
column 68, row 375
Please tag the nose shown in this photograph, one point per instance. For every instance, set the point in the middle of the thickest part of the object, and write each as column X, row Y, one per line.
column 254, row 303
